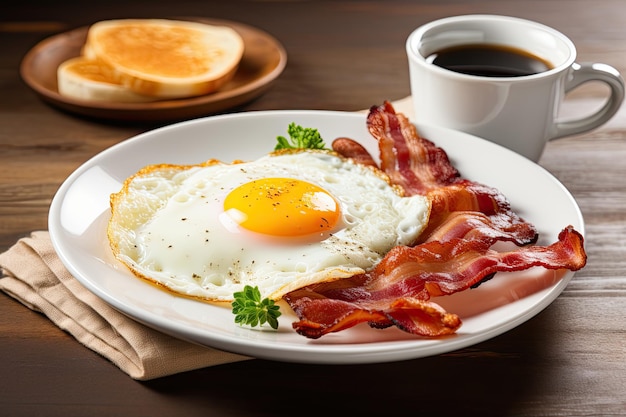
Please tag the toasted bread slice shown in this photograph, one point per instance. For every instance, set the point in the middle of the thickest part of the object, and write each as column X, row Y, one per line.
column 166, row 58
column 87, row 79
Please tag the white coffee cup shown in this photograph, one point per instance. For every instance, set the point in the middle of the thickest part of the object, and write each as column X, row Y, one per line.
column 518, row 112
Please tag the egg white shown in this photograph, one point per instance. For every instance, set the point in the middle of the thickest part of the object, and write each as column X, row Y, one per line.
column 168, row 225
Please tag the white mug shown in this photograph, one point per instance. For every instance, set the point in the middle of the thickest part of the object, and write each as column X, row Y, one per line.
column 518, row 112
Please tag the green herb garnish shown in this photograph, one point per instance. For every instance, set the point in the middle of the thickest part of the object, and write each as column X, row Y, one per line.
column 251, row 310
column 300, row 138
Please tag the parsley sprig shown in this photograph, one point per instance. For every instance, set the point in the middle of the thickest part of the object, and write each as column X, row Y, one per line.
column 251, row 310
column 300, row 138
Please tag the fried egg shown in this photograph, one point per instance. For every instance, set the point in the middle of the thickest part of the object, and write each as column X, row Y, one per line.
column 279, row 223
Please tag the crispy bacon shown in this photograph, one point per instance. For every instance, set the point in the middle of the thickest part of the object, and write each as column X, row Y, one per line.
column 411, row 161
column 470, row 197
column 421, row 167
column 474, row 224
column 398, row 290
column 454, row 253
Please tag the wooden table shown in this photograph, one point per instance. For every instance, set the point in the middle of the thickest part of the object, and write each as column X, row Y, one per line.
column 570, row 360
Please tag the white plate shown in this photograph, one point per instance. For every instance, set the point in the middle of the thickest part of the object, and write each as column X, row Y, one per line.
column 80, row 210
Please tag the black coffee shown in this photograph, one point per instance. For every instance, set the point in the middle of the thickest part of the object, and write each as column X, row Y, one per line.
column 489, row 61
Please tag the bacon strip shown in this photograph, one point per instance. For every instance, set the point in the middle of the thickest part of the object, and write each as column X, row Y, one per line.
column 474, row 224
column 411, row 161
column 398, row 290
column 420, row 167
column 467, row 197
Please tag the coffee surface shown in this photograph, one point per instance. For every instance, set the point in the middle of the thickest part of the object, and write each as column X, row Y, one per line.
column 489, row 60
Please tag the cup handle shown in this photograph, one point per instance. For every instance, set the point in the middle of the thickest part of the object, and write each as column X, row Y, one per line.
column 581, row 74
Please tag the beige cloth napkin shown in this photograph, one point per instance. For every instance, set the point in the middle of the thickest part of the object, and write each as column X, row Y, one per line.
column 33, row 274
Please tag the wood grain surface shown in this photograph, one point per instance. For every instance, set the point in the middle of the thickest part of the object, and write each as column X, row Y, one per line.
column 570, row 360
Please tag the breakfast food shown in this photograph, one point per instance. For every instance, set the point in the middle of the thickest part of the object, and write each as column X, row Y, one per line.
column 136, row 60
column 89, row 79
column 281, row 222
column 341, row 238
column 454, row 253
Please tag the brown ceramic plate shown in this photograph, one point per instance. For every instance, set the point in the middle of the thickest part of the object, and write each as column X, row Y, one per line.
column 263, row 60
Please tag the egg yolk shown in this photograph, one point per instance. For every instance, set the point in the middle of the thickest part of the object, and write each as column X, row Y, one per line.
column 283, row 207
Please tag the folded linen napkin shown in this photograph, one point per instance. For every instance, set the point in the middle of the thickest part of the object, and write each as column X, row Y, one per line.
column 33, row 274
